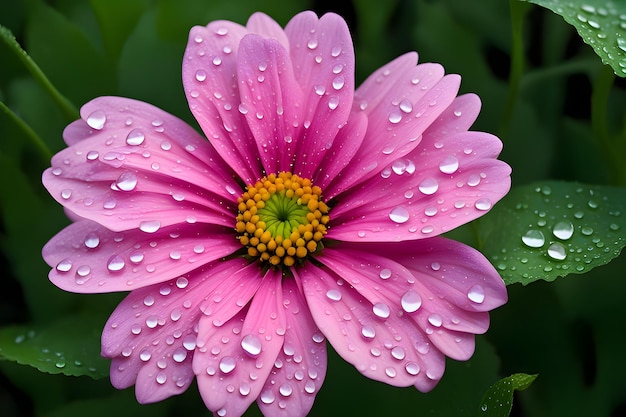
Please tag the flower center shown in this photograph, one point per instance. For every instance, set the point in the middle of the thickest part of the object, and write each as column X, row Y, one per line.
column 282, row 219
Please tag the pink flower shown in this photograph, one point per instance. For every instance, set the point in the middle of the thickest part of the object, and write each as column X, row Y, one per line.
column 311, row 213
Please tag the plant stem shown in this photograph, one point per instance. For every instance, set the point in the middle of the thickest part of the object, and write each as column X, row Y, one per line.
column 70, row 111
column 45, row 153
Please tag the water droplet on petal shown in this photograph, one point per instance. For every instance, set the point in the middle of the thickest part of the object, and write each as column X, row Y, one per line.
column 150, row 226
column 227, row 364
column 411, row 301
column 115, row 263
column 368, row 332
column 135, row 137
column 381, row 310
column 333, row 294
column 251, row 344
column 429, row 186
column 127, row 181
column 385, row 273
column 92, row 240
column 483, row 204
column 399, row 215
column 449, row 165
column 435, row 320
column 476, row 294
column 96, row 120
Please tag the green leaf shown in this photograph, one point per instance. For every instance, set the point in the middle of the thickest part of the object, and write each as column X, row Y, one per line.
column 498, row 399
column 552, row 229
column 70, row 346
column 600, row 23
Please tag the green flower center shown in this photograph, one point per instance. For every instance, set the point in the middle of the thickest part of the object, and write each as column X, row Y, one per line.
column 282, row 219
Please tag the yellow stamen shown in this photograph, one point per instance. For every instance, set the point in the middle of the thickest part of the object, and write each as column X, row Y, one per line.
column 282, row 219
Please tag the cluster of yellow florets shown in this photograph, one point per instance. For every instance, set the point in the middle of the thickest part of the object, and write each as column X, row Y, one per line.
column 281, row 218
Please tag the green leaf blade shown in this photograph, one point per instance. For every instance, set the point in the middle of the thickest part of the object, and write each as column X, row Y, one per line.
column 498, row 399
column 600, row 23
column 63, row 347
column 552, row 229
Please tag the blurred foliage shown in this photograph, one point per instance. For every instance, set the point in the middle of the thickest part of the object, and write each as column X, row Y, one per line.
column 558, row 109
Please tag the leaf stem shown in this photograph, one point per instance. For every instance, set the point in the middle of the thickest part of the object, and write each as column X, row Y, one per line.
column 602, row 85
column 70, row 111
column 518, row 13
column 44, row 151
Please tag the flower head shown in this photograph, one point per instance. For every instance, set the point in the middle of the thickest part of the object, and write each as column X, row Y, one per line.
column 311, row 213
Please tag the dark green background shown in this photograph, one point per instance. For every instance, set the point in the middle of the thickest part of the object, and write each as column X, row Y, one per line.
column 570, row 332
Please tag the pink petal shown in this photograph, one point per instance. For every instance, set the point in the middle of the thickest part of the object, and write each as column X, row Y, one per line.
column 262, row 24
column 444, row 310
column 271, row 100
column 209, row 77
column 399, row 111
column 133, row 165
column 152, row 334
column 234, row 359
column 88, row 258
column 384, row 347
column 300, row 368
column 447, row 181
column 323, row 62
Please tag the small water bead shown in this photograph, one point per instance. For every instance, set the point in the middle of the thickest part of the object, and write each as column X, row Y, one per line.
column 476, row 294
column 83, row 271
column 92, row 240
column 411, row 301
column 381, row 310
column 148, row 300
column 227, row 364
column 312, row 44
column 557, row 251
column 412, row 368
column 127, row 181
column 391, row 372
column 385, row 273
column 96, row 120
column 430, row 211
column 338, row 83
column 335, row 52
column 333, row 294
column 135, row 329
column 435, row 320
column 533, row 238
column 64, row 266
column 399, row 215
column 333, row 102
column 285, row 389
column 145, row 355
column 66, row 194
column 368, row 332
column 449, row 165
column 135, row 137
column 267, row 396
column 251, row 344
column 483, row 204
column 150, row 226
column 161, row 378
column 92, row 155
column 473, row 180
column 563, row 230
column 429, row 186
column 179, row 355
column 319, row 90
column 395, row 117
column 182, row 282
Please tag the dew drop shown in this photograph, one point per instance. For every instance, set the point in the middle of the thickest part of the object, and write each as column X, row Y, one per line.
column 96, row 120
column 179, row 355
column 92, row 240
column 251, row 344
column 135, row 137
column 227, row 364
column 533, row 238
column 483, row 204
column 476, row 294
column 368, row 332
column 115, row 263
column 399, row 215
column 563, row 230
column 149, row 226
column 333, row 294
column 411, row 301
column 64, row 266
column 449, row 165
column 435, row 320
column 429, row 186
column 381, row 310
column 127, row 181
column 267, row 396
column 385, row 273
column 557, row 251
